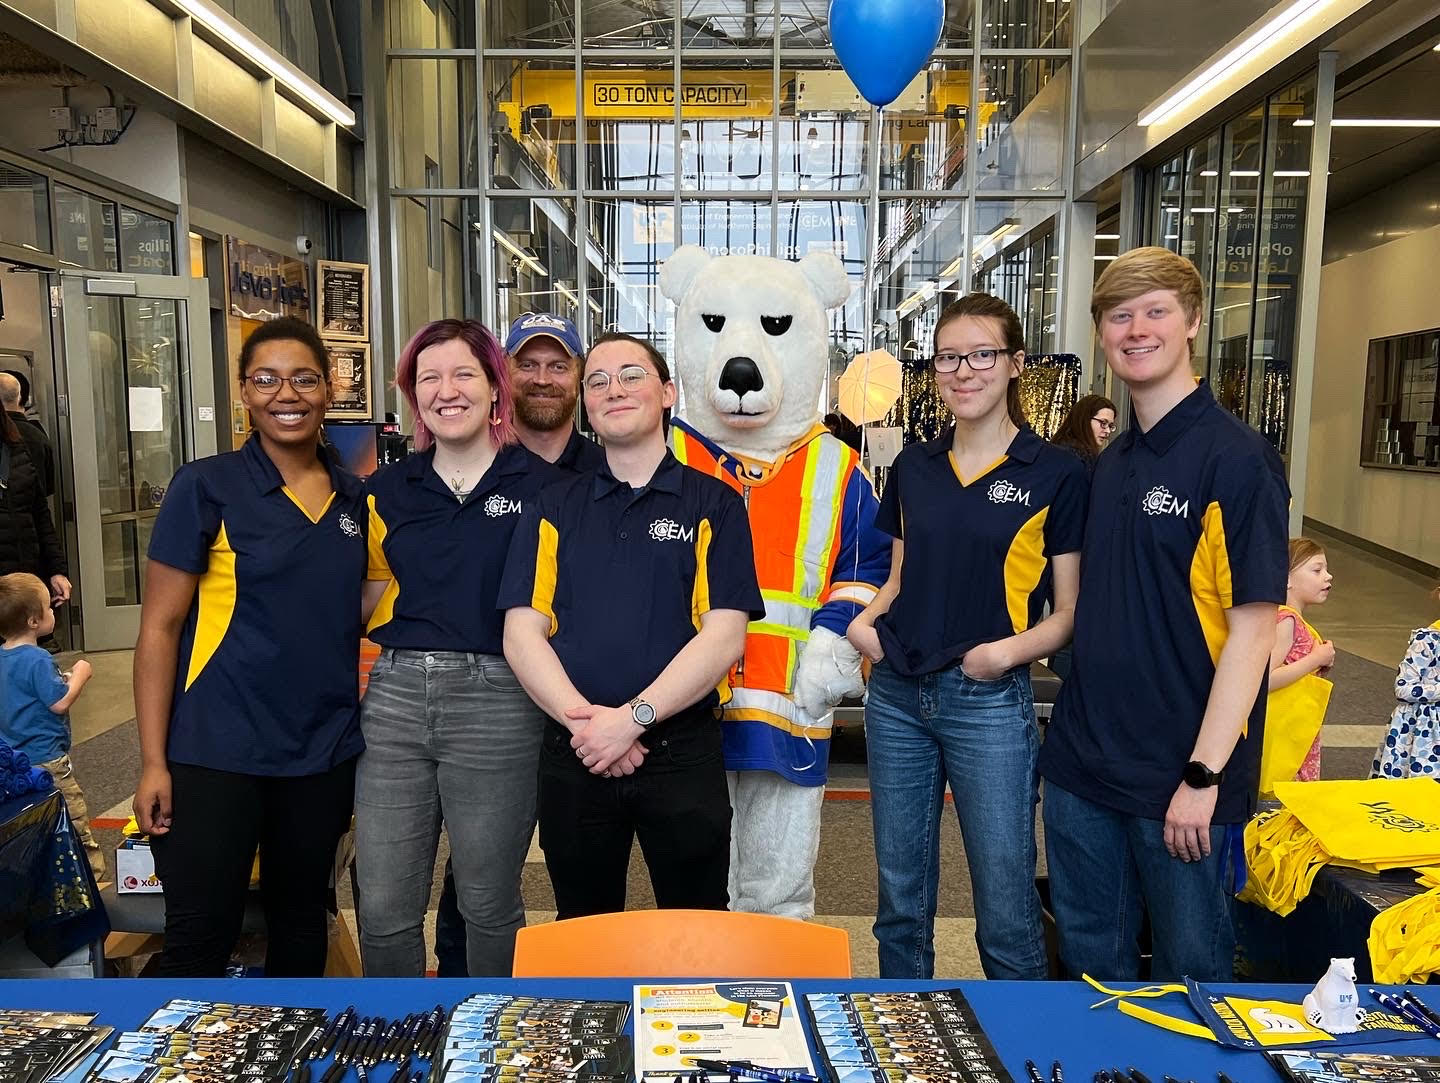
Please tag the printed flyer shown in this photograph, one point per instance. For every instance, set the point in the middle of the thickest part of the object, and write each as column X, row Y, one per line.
column 754, row 1021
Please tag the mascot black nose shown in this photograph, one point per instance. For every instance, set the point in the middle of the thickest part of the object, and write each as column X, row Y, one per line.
column 740, row 375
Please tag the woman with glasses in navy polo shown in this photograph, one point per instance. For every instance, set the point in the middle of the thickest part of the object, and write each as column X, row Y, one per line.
column 246, row 685
column 984, row 518
column 450, row 734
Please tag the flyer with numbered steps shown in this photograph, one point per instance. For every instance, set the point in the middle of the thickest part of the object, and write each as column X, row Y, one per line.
column 754, row 1021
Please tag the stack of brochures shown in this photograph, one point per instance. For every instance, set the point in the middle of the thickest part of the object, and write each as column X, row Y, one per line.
column 494, row 1038
column 39, row 1046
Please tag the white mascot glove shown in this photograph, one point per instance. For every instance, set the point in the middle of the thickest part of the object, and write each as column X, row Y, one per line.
column 829, row 670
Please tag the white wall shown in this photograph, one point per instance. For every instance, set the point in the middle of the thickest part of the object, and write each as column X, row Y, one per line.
column 1384, row 291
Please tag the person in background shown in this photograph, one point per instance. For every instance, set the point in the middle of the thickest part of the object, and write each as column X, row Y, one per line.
column 979, row 515
column 545, row 359
column 1298, row 648
column 1087, row 428
column 1411, row 747
column 246, row 690
column 449, row 732
column 1152, row 760
column 27, row 400
column 36, row 442
column 842, row 428
column 628, row 592
column 35, row 696
column 28, row 542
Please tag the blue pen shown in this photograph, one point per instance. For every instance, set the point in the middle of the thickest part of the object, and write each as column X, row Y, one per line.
column 1405, row 1011
column 746, row 1070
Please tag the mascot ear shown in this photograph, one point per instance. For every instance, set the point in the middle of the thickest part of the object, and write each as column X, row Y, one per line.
column 827, row 275
column 679, row 271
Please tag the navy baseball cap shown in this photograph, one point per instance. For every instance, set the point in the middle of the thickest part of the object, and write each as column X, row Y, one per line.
column 532, row 324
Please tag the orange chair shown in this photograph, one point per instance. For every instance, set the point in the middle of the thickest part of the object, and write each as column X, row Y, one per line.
column 682, row 944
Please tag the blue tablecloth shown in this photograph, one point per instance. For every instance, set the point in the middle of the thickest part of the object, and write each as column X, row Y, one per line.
column 1042, row 1022
column 47, row 890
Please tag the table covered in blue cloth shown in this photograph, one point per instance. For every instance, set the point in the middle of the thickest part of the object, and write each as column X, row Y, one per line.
column 47, row 891
column 1043, row 1022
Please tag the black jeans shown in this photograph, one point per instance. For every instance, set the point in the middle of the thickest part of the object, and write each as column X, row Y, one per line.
column 450, row 959
column 677, row 804
column 204, row 860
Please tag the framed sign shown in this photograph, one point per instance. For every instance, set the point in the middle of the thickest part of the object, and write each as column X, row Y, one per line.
column 265, row 285
column 344, row 290
column 349, row 379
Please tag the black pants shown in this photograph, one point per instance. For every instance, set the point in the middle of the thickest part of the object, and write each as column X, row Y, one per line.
column 205, row 859
column 677, row 804
column 450, row 961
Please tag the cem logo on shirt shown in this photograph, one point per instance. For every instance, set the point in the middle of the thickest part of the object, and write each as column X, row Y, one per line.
column 670, row 530
column 499, row 505
column 1005, row 492
column 1160, row 501
column 348, row 526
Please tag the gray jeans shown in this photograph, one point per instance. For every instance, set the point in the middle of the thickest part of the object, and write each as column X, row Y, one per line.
column 449, row 737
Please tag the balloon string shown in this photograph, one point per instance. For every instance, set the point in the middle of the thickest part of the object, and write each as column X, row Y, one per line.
column 872, row 249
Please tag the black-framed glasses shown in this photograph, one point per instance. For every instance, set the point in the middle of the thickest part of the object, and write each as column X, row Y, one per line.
column 978, row 360
column 268, row 383
column 630, row 377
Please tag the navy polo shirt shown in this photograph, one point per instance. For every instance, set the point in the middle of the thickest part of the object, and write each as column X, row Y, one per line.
column 444, row 557
column 267, row 681
column 977, row 553
column 1186, row 521
column 626, row 574
column 581, row 456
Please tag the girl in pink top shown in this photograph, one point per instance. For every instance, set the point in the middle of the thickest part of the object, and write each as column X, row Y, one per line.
column 1298, row 648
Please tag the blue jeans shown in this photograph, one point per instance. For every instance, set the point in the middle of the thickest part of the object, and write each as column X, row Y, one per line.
column 1107, row 869
column 449, row 736
column 981, row 737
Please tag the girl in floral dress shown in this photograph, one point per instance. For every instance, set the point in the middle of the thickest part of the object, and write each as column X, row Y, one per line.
column 1411, row 748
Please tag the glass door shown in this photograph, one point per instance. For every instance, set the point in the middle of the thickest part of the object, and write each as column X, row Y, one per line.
column 141, row 403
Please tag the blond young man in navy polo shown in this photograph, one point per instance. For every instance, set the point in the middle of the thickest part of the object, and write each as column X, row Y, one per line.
column 1152, row 762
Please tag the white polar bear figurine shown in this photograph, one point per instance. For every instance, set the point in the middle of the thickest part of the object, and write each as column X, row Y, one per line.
column 752, row 353
column 1334, row 1005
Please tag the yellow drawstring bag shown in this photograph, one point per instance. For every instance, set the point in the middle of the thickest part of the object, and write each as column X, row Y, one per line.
column 1282, row 857
column 1405, row 938
column 1293, row 716
column 1392, row 822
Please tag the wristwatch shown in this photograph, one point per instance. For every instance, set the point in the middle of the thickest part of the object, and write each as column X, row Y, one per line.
column 1197, row 776
column 642, row 713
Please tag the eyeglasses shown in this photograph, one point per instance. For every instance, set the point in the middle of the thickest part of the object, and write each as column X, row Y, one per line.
column 979, row 360
column 1105, row 426
column 302, row 383
column 630, row 377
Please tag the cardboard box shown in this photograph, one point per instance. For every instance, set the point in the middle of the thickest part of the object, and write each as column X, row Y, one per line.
column 135, row 867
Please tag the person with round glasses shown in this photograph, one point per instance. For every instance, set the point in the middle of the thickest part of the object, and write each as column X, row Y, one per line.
column 1087, row 428
column 245, row 671
column 984, row 518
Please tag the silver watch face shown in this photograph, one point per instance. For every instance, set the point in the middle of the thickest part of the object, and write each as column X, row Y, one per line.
column 643, row 713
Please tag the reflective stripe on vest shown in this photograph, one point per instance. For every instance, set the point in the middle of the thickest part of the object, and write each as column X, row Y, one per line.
column 759, row 705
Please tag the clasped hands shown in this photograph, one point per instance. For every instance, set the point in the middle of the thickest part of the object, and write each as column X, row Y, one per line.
column 606, row 739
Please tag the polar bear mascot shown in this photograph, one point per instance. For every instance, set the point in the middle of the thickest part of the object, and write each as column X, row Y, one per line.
column 752, row 352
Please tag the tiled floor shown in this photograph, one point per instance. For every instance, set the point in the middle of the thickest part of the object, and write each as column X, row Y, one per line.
column 1374, row 607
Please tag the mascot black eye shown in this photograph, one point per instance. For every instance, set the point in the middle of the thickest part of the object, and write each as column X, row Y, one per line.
column 776, row 325
column 713, row 322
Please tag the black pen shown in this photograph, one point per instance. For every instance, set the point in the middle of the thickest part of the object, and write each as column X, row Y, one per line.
column 1056, row 1075
column 1420, row 1006
column 332, row 1032
column 353, row 1041
column 400, row 1069
column 302, row 1074
column 436, row 1033
column 334, row 1072
column 402, row 1030
column 1224, row 1078
column 1033, row 1072
column 1138, row 1076
column 382, row 1040
column 1406, row 1012
column 1170, row 1079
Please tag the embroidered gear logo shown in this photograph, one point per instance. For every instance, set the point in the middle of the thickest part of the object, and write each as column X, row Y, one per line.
column 1004, row 492
column 348, row 526
column 670, row 530
column 497, row 506
column 1159, row 501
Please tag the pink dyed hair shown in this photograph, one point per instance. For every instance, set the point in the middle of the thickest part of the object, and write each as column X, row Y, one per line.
column 485, row 348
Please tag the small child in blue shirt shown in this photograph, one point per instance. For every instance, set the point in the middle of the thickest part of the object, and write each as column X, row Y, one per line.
column 34, row 696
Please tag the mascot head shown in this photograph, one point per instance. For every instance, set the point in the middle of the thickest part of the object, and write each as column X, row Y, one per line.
column 752, row 343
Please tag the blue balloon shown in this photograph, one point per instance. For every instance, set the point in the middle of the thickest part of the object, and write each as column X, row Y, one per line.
column 883, row 44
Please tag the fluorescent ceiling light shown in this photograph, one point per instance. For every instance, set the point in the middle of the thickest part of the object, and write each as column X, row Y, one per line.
column 255, row 51
column 1376, row 122
column 519, row 253
column 568, row 294
column 1234, row 210
column 1172, row 236
column 919, row 297
column 1208, row 173
column 1242, row 50
column 1202, row 210
column 1244, row 172
column 1107, row 236
column 1106, row 257
column 1292, row 172
column 953, row 268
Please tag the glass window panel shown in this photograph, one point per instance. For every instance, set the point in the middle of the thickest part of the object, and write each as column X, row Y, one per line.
column 630, row 126
column 925, row 148
column 824, row 128
column 1027, row 24
column 1198, row 218
column 533, row 243
column 630, row 239
column 146, row 243
column 727, row 130
column 24, row 208
column 723, row 24
column 1023, row 106
column 532, row 122
column 1402, row 402
column 437, row 99
column 531, row 24
column 84, row 230
column 1233, row 301
column 727, row 226
column 629, row 24
column 1168, row 183
column 804, row 24
column 1278, row 254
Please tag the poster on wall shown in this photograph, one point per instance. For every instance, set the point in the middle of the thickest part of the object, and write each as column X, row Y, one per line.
column 349, row 379
column 265, row 285
column 344, row 290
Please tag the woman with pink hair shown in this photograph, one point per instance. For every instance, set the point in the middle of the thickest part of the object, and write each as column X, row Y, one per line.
column 450, row 735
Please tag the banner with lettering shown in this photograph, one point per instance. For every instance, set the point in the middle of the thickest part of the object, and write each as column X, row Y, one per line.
column 265, row 285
